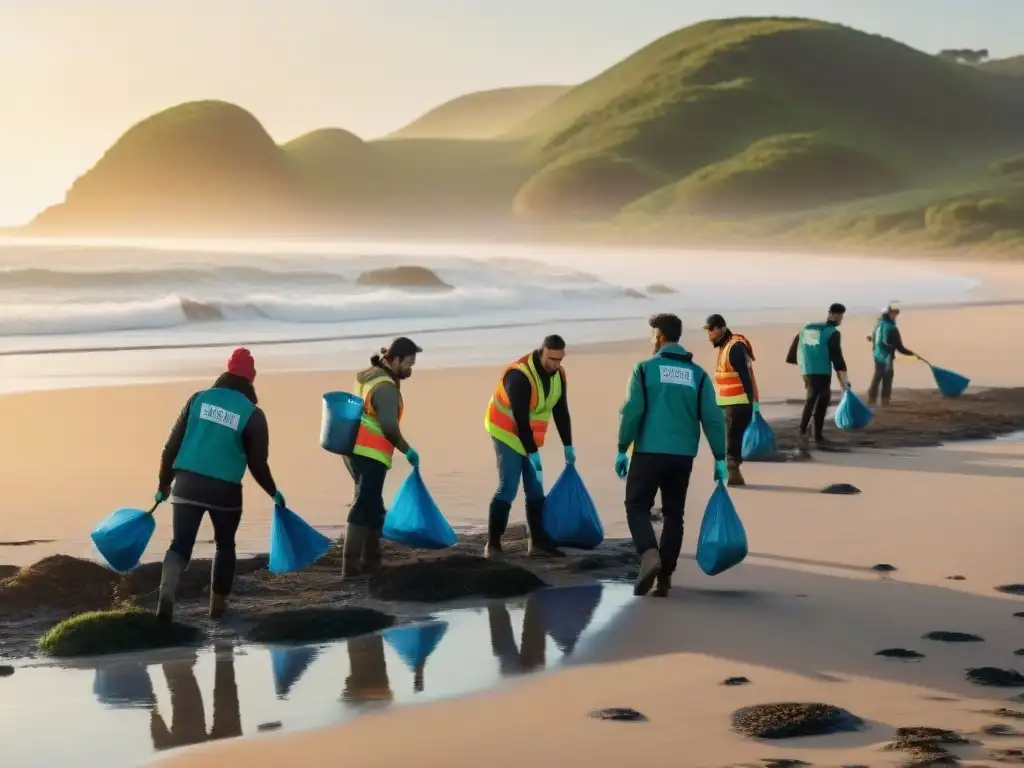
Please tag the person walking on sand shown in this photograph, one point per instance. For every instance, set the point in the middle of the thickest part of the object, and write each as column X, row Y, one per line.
column 817, row 349
column 530, row 392
column 668, row 403
column 886, row 341
column 735, row 389
column 218, row 433
column 379, row 435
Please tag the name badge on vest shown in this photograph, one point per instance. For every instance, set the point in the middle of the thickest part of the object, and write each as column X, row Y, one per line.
column 671, row 374
column 812, row 337
column 219, row 416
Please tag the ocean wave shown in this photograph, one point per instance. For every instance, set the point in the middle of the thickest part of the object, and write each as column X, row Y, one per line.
column 174, row 310
column 63, row 279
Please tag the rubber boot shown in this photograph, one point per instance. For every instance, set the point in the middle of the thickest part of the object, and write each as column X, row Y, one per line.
column 352, row 550
column 735, row 477
column 803, row 447
column 540, row 545
column 373, row 558
column 650, row 567
column 170, row 574
column 218, row 605
column 497, row 522
column 662, row 585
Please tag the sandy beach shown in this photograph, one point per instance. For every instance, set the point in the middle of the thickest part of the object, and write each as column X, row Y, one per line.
column 802, row 618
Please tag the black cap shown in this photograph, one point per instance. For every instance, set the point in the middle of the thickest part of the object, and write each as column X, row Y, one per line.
column 837, row 309
column 402, row 347
column 714, row 321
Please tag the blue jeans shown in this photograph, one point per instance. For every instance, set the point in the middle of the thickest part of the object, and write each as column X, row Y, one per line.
column 511, row 467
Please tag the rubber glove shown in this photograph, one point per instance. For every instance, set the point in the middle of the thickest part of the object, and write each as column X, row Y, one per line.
column 159, row 497
column 413, row 458
column 721, row 471
column 622, row 465
column 535, row 462
column 279, row 499
column 570, row 455
column 757, row 407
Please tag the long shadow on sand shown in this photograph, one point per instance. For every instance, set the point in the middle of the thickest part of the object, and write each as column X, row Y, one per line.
column 754, row 615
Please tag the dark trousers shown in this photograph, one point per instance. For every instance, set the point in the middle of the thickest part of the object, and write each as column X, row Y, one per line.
column 186, row 519
column 737, row 419
column 882, row 377
column 368, row 503
column 819, row 393
column 648, row 474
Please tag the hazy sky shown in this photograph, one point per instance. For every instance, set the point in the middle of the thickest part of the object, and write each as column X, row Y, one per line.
column 74, row 74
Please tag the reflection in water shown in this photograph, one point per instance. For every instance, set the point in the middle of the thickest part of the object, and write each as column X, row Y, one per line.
column 188, row 716
column 124, row 686
column 289, row 664
column 368, row 671
column 414, row 644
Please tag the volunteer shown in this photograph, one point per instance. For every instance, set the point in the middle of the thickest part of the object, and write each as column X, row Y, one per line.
column 886, row 341
column 735, row 389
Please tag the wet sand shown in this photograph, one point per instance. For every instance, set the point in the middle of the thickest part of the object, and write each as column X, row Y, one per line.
column 803, row 618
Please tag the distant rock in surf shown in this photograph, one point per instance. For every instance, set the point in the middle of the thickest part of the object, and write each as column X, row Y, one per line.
column 199, row 312
column 660, row 289
column 633, row 293
column 403, row 277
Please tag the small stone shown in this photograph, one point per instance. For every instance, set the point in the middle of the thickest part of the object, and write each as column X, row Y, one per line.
column 735, row 681
column 1011, row 589
column 264, row 727
column 622, row 714
column 6, row 670
column 783, row 762
column 841, row 489
column 899, row 653
column 1019, row 614
column 883, row 568
column 787, row 720
column 1004, row 712
column 998, row 729
column 957, row 577
column 995, row 677
column 952, row 637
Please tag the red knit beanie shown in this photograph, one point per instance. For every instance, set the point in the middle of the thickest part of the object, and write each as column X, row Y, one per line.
column 241, row 364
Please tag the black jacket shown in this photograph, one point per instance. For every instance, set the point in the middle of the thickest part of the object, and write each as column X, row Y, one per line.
column 518, row 389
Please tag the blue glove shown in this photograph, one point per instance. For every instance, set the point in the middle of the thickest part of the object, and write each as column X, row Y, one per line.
column 413, row 458
column 622, row 465
column 757, row 407
column 535, row 462
column 570, row 455
column 721, row 471
column 279, row 500
column 159, row 497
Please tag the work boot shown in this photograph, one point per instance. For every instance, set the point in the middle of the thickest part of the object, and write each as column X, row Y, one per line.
column 735, row 476
column 352, row 550
column 650, row 567
column 373, row 558
column 170, row 574
column 540, row 545
column 497, row 522
column 662, row 585
column 803, row 447
column 218, row 605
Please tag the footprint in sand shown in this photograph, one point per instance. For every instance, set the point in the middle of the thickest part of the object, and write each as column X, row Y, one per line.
column 620, row 714
column 905, row 654
column 735, row 681
column 883, row 568
column 956, row 577
column 1011, row 589
column 996, row 677
column 999, row 729
column 952, row 637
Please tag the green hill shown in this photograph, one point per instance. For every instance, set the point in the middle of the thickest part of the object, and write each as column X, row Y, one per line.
column 200, row 166
column 1013, row 66
column 691, row 107
column 483, row 114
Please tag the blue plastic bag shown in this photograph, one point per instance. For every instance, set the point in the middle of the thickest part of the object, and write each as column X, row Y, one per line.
column 415, row 643
column 722, row 541
column 758, row 438
column 566, row 611
column 570, row 518
column 414, row 519
column 852, row 413
column 289, row 664
column 339, row 423
column 123, row 536
column 294, row 543
column 950, row 384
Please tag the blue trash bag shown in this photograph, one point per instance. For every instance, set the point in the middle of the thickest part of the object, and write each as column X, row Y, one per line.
column 416, row 642
column 123, row 536
column 294, row 543
column 570, row 518
column 414, row 519
column 289, row 664
column 566, row 611
column 339, row 423
column 124, row 685
column 758, row 438
column 852, row 413
column 722, row 541
column 950, row 384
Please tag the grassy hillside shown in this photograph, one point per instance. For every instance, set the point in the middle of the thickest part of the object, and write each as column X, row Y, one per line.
column 1014, row 66
column 691, row 107
column 201, row 165
column 483, row 114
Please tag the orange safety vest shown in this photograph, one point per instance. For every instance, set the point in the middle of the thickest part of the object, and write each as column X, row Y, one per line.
column 728, row 384
column 370, row 440
column 499, row 422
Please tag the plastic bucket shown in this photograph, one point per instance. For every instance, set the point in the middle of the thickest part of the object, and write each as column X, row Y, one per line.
column 340, row 422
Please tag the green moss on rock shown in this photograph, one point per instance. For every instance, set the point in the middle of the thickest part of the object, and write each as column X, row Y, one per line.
column 103, row 632
column 318, row 624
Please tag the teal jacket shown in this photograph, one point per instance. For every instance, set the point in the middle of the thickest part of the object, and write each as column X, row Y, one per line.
column 212, row 444
column 670, row 399
column 813, row 349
